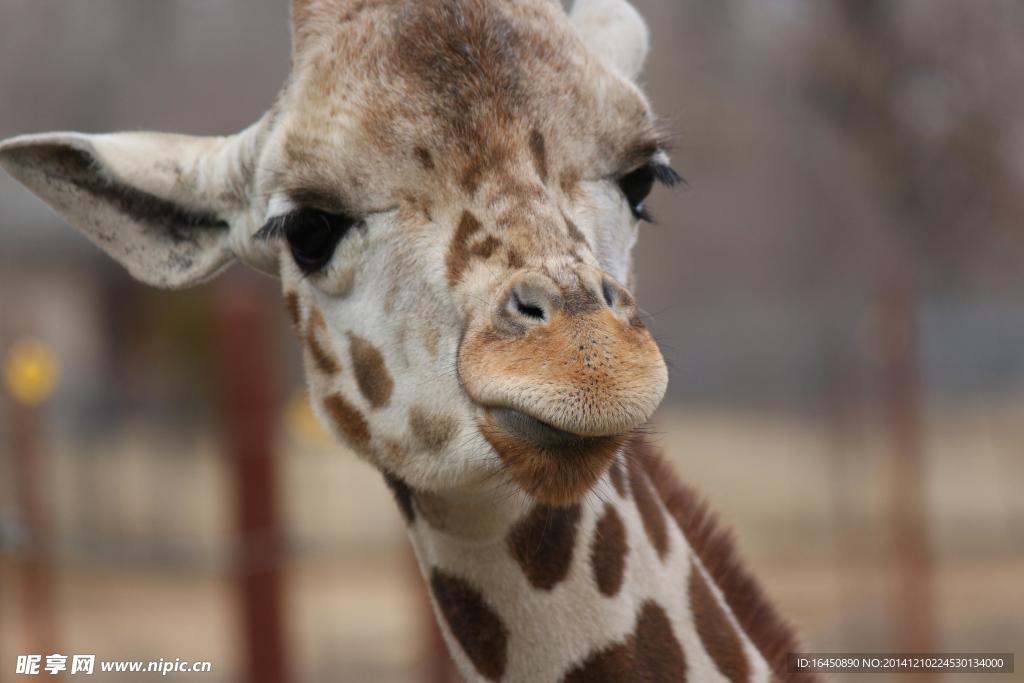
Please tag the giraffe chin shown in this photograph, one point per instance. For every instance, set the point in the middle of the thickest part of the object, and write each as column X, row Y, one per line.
column 553, row 466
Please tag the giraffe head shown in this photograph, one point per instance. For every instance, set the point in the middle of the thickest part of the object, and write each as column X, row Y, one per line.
column 449, row 191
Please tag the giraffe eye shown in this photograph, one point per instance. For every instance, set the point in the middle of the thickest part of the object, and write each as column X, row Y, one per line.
column 637, row 185
column 313, row 235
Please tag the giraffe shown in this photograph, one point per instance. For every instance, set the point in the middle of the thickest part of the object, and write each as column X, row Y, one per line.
column 449, row 192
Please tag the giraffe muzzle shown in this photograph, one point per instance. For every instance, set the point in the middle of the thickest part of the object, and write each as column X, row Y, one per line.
column 564, row 374
column 576, row 359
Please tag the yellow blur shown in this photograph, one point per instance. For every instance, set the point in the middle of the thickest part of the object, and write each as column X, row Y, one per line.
column 31, row 371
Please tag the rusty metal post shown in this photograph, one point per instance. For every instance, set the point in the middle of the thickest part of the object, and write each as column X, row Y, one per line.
column 36, row 596
column 249, row 373
column 844, row 405
column 913, row 614
column 31, row 370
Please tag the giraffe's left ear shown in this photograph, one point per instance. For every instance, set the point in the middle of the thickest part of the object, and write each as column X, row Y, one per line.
column 615, row 31
column 164, row 206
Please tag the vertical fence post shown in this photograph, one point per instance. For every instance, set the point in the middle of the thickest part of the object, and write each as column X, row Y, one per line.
column 30, row 371
column 843, row 401
column 912, row 605
column 248, row 370
column 36, row 575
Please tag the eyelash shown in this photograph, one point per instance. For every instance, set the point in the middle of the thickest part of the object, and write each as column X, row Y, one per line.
column 667, row 176
column 312, row 235
column 636, row 185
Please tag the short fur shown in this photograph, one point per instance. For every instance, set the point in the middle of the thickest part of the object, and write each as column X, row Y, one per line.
column 716, row 548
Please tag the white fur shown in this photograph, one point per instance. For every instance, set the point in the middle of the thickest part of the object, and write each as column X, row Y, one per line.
column 201, row 174
column 615, row 31
column 549, row 632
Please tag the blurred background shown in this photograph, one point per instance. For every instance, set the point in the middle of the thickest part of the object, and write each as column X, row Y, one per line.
column 839, row 291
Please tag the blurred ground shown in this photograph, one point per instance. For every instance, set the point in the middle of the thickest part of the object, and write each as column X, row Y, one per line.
column 811, row 532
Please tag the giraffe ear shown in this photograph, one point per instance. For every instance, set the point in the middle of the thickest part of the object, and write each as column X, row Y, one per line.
column 615, row 31
column 161, row 205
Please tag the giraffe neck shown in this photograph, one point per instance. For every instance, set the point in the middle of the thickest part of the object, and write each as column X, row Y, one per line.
column 613, row 588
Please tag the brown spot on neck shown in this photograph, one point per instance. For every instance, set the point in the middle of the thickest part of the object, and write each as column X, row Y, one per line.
column 714, row 545
column 608, row 552
column 403, row 497
column 658, row 653
column 543, row 542
column 651, row 654
column 650, row 509
column 316, row 320
column 715, row 630
column 432, row 431
column 434, row 510
column 371, row 373
column 538, row 151
column 473, row 623
column 349, row 420
column 323, row 360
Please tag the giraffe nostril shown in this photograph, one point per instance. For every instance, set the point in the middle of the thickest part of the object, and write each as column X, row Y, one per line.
column 529, row 310
column 531, row 301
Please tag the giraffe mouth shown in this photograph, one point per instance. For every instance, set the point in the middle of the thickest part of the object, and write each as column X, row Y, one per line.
column 554, row 466
column 537, row 431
